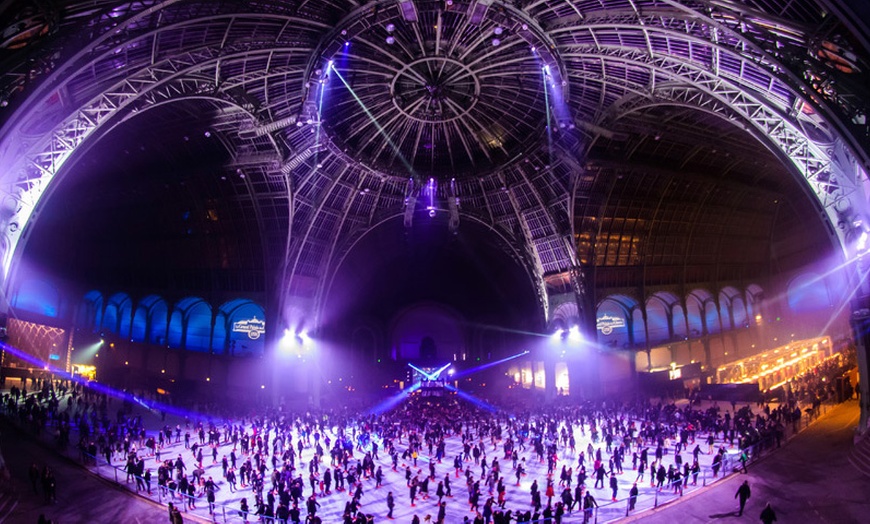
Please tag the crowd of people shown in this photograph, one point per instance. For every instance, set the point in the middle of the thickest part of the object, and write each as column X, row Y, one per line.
column 521, row 466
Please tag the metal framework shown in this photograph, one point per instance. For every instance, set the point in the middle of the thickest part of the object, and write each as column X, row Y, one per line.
column 458, row 93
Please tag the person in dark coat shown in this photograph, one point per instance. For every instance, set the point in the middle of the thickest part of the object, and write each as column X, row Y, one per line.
column 614, row 486
column 588, row 504
column 768, row 516
column 312, row 505
column 743, row 494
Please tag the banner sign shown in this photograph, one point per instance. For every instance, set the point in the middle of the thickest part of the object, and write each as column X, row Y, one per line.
column 253, row 327
column 607, row 323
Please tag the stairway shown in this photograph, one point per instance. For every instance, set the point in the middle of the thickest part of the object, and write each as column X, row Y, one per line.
column 860, row 456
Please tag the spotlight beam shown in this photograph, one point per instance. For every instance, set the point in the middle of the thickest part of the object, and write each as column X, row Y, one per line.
column 395, row 400
column 420, row 371
column 152, row 406
column 472, row 399
column 439, row 371
column 488, row 365
column 374, row 121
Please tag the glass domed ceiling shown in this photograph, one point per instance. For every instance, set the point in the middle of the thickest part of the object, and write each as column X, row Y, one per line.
column 435, row 92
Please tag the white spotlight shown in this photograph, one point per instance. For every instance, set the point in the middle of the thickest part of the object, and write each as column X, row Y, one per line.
column 574, row 333
column 287, row 340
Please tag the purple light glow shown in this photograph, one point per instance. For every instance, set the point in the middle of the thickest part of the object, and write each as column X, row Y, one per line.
column 467, row 372
column 101, row 388
column 472, row 399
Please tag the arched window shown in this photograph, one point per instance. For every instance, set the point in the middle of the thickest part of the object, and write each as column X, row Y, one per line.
column 659, row 308
column 190, row 324
column 159, row 322
column 175, row 333
column 140, row 324
column 754, row 297
column 731, row 312
column 143, row 318
column 695, row 313
column 90, row 313
column 117, row 317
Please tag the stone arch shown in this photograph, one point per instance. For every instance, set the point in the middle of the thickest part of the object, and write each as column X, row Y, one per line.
column 564, row 316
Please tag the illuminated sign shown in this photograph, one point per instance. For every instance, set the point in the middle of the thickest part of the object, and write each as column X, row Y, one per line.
column 606, row 324
column 53, row 357
column 252, row 327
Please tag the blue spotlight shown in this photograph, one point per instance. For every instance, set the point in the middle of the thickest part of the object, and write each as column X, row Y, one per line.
column 395, row 400
column 96, row 386
column 487, row 365
column 439, row 371
column 420, row 371
column 482, row 404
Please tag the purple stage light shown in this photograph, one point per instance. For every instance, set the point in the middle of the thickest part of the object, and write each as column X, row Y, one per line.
column 467, row 372
column 482, row 404
column 395, row 400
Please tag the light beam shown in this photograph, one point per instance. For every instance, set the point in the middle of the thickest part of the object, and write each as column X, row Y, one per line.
column 467, row 372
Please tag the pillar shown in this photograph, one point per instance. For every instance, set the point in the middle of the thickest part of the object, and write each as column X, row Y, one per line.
column 549, row 378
